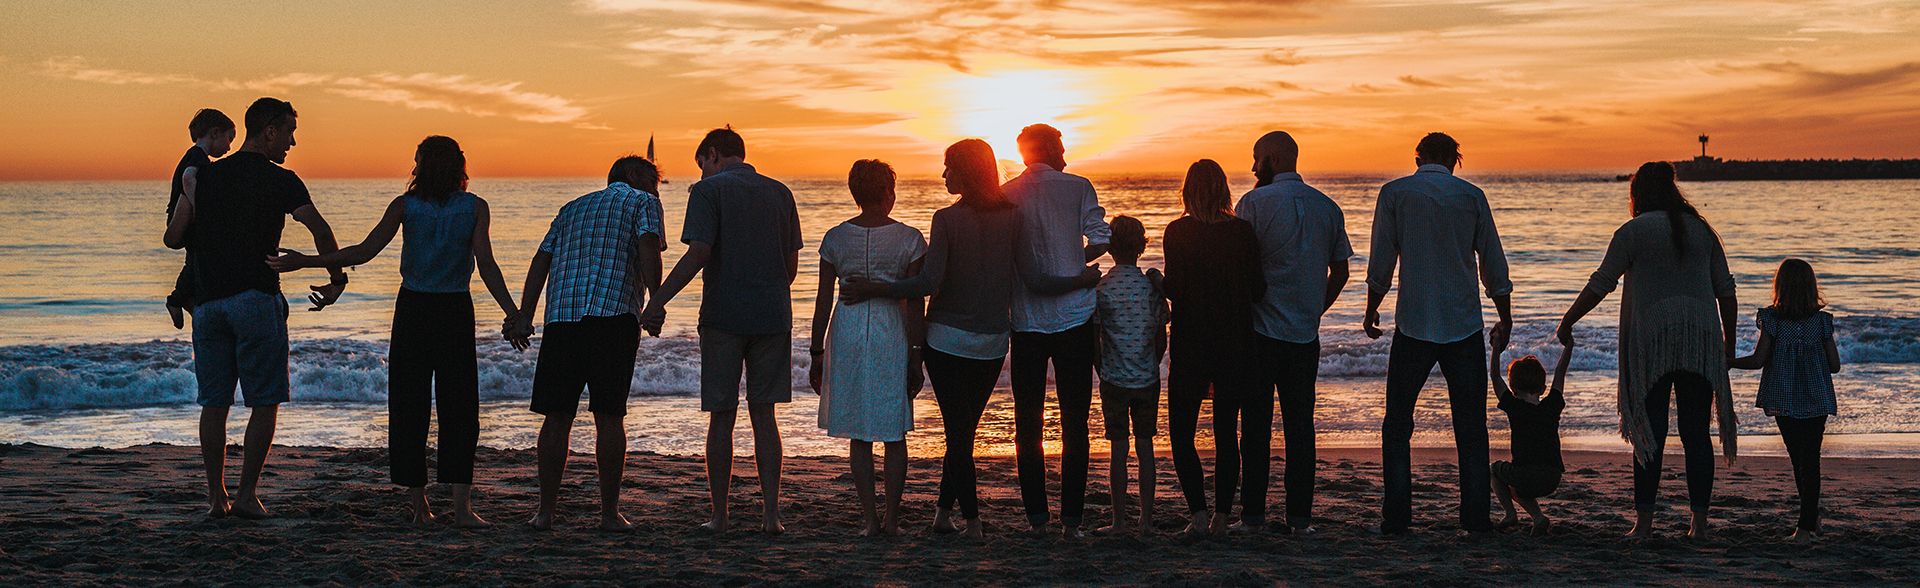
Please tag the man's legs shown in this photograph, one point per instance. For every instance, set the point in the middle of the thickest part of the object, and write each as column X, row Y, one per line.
column 769, row 367
column 1464, row 365
column 1073, row 383
column 610, row 455
column 722, row 361
column 1408, row 361
column 213, row 451
column 767, row 456
column 215, row 373
column 1029, row 359
column 552, row 450
column 260, row 426
column 719, row 465
column 260, row 327
column 1297, row 366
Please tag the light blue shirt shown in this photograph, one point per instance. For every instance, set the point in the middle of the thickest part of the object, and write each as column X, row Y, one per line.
column 1301, row 232
column 1059, row 216
column 594, row 242
column 436, row 248
column 1439, row 230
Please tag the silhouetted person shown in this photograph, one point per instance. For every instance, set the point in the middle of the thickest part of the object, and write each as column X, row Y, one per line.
column 1533, row 420
column 431, row 358
column 866, row 355
column 230, row 222
column 1213, row 279
column 1439, row 230
column 1062, row 229
column 1132, row 313
column 743, row 230
column 212, row 134
column 1677, row 321
column 598, row 262
column 1798, row 358
column 1303, row 255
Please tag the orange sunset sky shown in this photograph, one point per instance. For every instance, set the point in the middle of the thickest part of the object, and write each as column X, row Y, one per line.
column 104, row 89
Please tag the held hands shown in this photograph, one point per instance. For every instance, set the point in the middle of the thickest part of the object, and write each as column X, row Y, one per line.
column 1372, row 324
column 1501, row 334
column 654, row 317
column 1565, row 334
column 289, row 260
column 517, row 329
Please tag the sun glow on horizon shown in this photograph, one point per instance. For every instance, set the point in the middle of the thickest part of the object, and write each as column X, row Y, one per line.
column 947, row 106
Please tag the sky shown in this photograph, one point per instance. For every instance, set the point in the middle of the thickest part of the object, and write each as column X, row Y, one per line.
column 103, row 90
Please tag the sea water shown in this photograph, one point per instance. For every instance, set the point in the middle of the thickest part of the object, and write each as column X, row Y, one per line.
column 87, row 356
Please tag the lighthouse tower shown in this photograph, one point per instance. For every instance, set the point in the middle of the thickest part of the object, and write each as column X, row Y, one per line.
column 1703, row 146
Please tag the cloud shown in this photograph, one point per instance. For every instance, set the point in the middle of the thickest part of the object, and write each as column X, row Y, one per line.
column 1419, row 82
column 419, row 91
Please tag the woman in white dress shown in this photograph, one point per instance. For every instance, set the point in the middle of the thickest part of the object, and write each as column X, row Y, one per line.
column 866, row 355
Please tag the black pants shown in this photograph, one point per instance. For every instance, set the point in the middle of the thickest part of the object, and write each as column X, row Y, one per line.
column 961, row 386
column 1803, row 437
column 431, row 361
column 1290, row 369
column 1693, row 394
column 1241, row 410
column 1464, row 364
column 1072, row 354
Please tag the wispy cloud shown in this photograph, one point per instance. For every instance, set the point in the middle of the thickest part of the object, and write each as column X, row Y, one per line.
column 419, row 91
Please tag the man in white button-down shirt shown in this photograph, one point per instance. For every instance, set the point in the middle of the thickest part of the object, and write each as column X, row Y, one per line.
column 1062, row 229
column 1439, row 229
column 1303, row 254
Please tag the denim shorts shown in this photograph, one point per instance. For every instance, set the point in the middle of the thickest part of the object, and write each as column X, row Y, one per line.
column 241, row 339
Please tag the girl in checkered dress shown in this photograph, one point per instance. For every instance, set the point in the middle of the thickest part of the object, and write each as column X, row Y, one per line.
column 1798, row 358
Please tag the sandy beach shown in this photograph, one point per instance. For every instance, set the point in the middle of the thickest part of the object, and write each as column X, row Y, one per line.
column 134, row 516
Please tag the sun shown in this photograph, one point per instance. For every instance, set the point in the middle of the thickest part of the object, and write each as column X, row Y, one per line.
column 994, row 104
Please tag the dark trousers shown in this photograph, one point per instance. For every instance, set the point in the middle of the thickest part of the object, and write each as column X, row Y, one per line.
column 961, row 386
column 431, row 362
column 1242, row 432
column 1803, row 437
column 1693, row 394
column 1072, row 354
column 1464, row 364
column 1290, row 370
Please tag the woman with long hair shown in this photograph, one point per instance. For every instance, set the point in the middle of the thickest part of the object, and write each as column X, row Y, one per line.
column 1677, row 319
column 431, row 358
column 1213, row 280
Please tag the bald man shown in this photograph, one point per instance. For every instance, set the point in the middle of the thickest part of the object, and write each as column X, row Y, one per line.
column 1303, row 254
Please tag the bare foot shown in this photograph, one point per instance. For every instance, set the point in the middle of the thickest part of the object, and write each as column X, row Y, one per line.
column 772, row 526
column 615, row 522
column 1697, row 530
column 419, row 515
column 1071, row 532
column 1803, row 536
column 1245, row 527
column 1118, row 528
column 872, row 530
column 975, row 529
column 1541, row 526
column 1145, row 532
column 1199, row 527
column 466, row 519
column 1642, row 527
column 1219, row 523
column 218, row 507
column 1507, row 522
column 178, row 315
column 943, row 522
column 716, row 526
column 249, row 508
column 541, row 521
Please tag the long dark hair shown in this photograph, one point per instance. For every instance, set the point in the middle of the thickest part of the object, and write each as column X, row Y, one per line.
column 1654, row 189
column 1796, row 291
column 972, row 163
column 439, row 169
column 1205, row 192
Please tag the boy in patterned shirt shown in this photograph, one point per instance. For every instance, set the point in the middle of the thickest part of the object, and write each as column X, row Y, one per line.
column 1132, row 313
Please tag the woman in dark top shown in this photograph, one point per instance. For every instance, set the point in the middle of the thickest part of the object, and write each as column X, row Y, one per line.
column 1533, row 419
column 1213, row 279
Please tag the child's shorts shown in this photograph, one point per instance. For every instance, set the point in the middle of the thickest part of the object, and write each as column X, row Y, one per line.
column 1122, row 406
column 1528, row 481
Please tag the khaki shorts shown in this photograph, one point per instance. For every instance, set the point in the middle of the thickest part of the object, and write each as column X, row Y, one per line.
column 766, row 359
column 1122, row 406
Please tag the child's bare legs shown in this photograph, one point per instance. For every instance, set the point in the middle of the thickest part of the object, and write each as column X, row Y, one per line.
column 420, row 513
column 463, row 515
column 1117, row 483
column 1147, row 478
column 1505, row 493
column 860, row 453
column 896, row 485
column 1540, row 522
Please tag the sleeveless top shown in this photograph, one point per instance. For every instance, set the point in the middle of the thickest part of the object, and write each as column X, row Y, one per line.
column 1797, row 382
column 437, row 253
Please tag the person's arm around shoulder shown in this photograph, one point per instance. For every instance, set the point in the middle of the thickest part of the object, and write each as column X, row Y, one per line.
column 1093, row 224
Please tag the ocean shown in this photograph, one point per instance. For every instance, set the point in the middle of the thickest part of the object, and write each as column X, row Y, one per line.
column 88, row 358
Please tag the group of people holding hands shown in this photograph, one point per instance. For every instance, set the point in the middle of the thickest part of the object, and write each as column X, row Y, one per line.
column 1005, row 276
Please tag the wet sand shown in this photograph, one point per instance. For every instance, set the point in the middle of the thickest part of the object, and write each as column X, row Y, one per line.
column 135, row 516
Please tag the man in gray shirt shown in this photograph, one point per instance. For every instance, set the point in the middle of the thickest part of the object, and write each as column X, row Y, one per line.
column 743, row 229
column 1439, row 229
column 1303, row 254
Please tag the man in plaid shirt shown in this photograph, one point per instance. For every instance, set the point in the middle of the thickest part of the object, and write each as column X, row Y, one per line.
column 601, row 252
